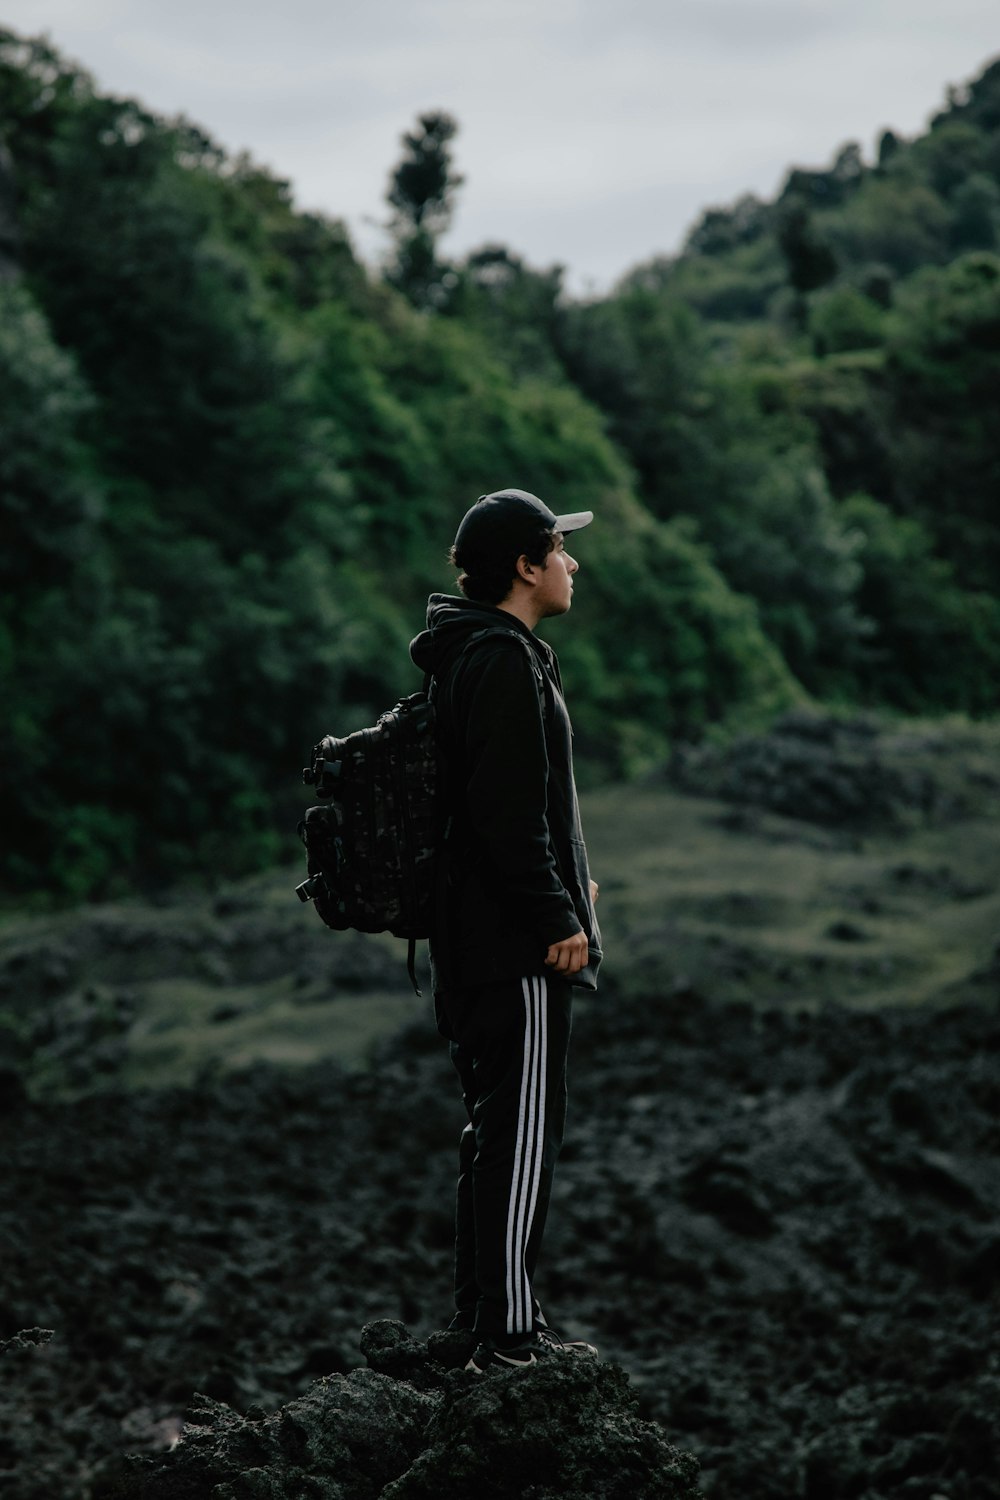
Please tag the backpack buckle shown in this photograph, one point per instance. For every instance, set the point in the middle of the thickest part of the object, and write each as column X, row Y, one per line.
column 310, row 889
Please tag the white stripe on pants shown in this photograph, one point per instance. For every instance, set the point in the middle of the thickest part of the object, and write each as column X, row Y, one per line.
column 528, row 1151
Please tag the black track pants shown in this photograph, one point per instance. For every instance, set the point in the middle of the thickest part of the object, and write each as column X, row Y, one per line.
column 511, row 1058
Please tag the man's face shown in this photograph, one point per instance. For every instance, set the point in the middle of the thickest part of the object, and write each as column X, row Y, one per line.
column 554, row 592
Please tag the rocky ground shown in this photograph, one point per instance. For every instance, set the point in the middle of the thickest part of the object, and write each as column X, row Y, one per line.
column 779, row 1219
column 415, row 1425
column 784, row 1227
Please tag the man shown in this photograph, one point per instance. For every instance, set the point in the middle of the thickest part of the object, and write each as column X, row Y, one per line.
column 515, row 928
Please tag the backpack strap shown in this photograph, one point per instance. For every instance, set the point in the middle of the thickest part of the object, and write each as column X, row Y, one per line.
column 481, row 635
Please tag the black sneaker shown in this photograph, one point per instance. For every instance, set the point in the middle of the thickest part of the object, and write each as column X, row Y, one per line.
column 489, row 1355
column 545, row 1335
column 543, row 1343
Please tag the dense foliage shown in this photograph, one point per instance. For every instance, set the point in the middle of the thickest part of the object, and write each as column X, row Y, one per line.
column 232, row 459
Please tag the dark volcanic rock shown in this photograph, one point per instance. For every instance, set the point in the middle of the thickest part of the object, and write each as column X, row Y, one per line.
column 567, row 1428
column 345, row 1439
column 26, row 1338
column 783, row 1225
column 848, row 772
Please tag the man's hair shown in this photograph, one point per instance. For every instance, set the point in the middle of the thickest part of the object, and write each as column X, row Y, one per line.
column 490, row 584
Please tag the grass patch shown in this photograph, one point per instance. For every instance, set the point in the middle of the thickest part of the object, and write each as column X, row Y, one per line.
column 766, row 908
column 731, row 897
column 185, row 1027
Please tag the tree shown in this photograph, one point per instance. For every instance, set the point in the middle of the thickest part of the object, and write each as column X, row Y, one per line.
column 933, row 644
column 811, row 263
column 423, row 186
column 845, row 318
column 889, row 146
column 976, row 213
column 517, row 307
column 48, row 499
column 941, row 379
column 722, row 229
column 421, row 195
column 641, row 358
column 826, row 189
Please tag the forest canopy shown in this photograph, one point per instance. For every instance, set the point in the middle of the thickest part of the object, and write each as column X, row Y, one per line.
column 232, row 458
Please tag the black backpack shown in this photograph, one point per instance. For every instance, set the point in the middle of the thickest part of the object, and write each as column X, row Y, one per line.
column 371, row 844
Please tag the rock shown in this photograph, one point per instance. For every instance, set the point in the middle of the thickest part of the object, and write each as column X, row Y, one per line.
column 724, row 1187
column 451, row 1349
column 781, row 1223
column 819, row 768
column 345, row 1439
column 389, row 1349
column 27, row 1338
column 13, row 1094
column 567, row 1428
column 844, row 931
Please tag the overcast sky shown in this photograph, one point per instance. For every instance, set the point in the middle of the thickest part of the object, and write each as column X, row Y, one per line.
column 592, row 132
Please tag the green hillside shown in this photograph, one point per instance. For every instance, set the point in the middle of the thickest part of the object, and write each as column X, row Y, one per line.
column 814, row 380
column 232, row 458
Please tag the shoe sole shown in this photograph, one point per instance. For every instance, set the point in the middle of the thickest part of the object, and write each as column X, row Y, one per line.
column 498, row 1358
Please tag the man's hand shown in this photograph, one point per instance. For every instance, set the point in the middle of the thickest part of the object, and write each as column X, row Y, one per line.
column 569, row 956
column 595, row 891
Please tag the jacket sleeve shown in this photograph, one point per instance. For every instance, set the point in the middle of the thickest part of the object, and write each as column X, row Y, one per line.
column 507, row 763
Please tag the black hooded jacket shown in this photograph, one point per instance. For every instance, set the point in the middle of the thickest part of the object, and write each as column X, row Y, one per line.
column 515, row 877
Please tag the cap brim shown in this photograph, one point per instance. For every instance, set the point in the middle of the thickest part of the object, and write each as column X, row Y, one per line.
column 575, row 521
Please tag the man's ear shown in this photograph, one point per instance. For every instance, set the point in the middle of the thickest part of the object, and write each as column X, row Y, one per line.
column 526, row 571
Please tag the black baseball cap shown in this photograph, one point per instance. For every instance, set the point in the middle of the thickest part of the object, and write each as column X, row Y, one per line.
column 507, row 522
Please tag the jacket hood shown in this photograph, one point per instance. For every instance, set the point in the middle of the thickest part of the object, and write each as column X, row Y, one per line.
column 450, row 622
